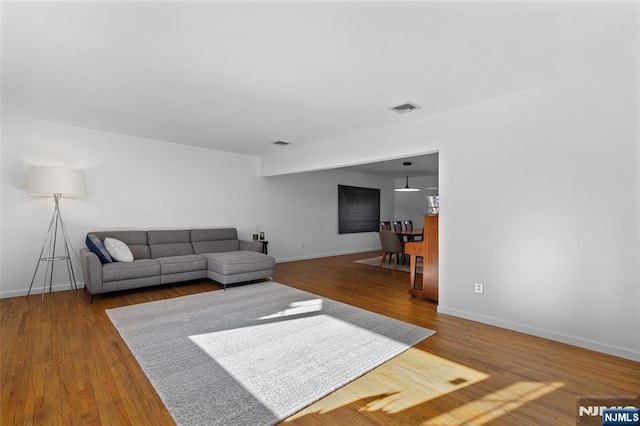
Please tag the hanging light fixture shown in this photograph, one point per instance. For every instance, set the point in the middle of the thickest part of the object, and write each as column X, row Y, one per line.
column 407, row 188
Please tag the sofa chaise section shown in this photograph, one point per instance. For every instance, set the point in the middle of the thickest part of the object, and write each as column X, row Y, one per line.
column 229, row 259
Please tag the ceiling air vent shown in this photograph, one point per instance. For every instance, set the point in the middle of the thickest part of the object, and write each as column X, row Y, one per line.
column 281, row 143
column 404, row 108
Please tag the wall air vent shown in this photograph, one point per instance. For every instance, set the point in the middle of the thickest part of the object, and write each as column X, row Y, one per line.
column 281, row 143
column 404, row 108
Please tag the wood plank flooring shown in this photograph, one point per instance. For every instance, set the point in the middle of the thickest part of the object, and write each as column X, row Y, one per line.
column 63, row 363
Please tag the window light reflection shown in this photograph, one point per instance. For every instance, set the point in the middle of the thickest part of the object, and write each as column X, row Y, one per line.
column 297, row 308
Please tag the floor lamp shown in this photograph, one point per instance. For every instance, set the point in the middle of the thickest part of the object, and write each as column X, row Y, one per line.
column 56, row 182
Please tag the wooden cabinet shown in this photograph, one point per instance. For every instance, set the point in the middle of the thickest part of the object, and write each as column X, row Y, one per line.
column 427, row 249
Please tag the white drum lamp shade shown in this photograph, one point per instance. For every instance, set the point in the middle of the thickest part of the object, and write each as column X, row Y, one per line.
column 45, row 181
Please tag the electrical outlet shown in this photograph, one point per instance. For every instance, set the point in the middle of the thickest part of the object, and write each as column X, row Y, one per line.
column 302, row 245
column 479, row 288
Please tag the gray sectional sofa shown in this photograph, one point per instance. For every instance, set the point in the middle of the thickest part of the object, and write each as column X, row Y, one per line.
column 168, row 256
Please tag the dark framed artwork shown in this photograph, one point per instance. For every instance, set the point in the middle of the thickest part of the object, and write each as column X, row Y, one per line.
column 358, row 209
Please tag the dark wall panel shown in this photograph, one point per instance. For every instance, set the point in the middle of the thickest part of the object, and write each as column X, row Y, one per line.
column 358, row 209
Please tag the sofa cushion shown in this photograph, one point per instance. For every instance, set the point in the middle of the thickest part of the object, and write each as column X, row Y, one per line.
column 135, row 240
column 169, row 243
column 238, row 262
column 215, row 246
column 214, row 240
column 212, row 234
column 168, row 236
column 95, row 245
column 179, row 264
column 174, row 249
column 118, row 250
column 117, row 271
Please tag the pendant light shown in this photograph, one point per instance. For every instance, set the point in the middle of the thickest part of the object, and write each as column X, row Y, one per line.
column 407, row 188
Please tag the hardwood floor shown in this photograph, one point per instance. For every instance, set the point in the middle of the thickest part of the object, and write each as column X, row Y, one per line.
column 63, row 362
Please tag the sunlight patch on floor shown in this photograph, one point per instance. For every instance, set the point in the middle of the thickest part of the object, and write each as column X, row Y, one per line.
column 289, row 361
column 496, row 404
column 297, row 308
column 407, row 380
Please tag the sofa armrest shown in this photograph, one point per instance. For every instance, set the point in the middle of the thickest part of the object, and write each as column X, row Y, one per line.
column 91, row 271
column 250, row 245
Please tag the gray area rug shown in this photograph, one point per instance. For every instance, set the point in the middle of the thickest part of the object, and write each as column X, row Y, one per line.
column 375, row 261
column 255, row 354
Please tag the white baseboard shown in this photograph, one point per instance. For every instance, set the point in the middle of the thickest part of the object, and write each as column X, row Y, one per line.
column 37, row 291
column 558, row 337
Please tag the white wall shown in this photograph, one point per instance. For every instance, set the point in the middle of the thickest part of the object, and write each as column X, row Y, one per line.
column 540, row 200
column 136, row 183
column 541, row 196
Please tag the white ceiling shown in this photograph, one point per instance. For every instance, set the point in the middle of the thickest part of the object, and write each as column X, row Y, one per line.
column 421, row 165
column 236, row 76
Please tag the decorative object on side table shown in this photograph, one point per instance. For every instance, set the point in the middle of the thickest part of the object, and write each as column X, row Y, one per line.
column 56, row 182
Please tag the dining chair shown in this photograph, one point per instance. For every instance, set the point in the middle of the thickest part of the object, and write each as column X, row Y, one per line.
column 385, row 225
column 397, row 225
column 391, row 245
column 408, row 225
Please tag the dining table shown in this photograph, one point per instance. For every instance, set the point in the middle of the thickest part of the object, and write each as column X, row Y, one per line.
column 411, row 234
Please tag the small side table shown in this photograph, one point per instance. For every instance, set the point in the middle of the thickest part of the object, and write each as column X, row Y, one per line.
column 265, row 243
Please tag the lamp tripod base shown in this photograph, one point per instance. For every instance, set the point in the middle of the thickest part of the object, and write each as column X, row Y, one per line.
column 49, row 245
